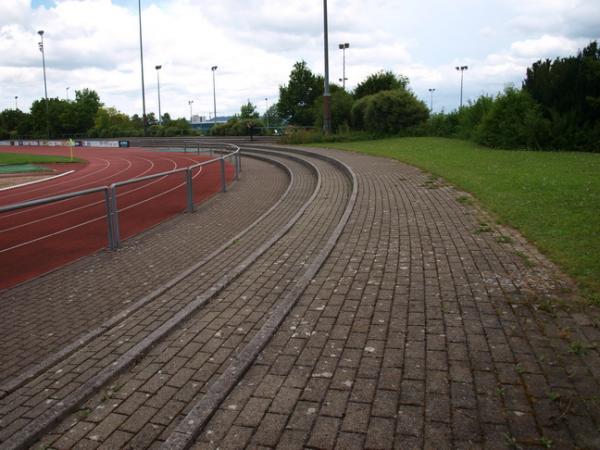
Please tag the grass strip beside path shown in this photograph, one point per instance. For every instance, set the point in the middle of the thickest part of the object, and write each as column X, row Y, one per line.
column 23, row 158
column 552, row 198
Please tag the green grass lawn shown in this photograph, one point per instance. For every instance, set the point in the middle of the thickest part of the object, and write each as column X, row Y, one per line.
column 21, row 158
column 553, row 199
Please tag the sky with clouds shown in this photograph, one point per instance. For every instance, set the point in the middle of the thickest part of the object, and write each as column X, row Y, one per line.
column 95, row 44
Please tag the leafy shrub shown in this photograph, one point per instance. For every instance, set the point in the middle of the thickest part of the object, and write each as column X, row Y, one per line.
column 514, row 121
column 393, row 111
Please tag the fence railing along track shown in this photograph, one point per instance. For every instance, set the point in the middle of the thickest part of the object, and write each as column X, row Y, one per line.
column 231, row 152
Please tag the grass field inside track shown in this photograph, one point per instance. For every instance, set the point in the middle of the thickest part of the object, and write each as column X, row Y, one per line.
column 22, row 158
column 553, row 199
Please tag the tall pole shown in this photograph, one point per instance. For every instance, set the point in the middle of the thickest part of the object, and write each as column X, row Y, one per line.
column 190, row 102
column 144, row 118
column 67, row 93
column 267, row 111
column 214, row 69
column 462, row 70
column 431, row 91
column 326, row 94
column 41, row 45
column 16, row 102
column 158, row 83
column 343, row 47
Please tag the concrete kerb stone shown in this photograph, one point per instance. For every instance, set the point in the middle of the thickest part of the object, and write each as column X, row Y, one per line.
column 21, row 379
column 30, row 432
column 193, row 423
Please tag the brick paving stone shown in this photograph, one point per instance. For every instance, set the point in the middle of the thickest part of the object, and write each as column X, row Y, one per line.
column 416, row 332
column 44, row 314
column 467, row 354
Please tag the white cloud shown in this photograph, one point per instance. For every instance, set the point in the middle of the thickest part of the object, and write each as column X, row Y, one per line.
column 94, row 44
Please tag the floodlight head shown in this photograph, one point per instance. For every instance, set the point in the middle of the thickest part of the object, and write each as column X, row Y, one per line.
column 158, row 67
column 41, row 32
column 213, row 68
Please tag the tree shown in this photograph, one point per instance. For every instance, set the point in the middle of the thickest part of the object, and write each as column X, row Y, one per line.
column 380, row 81
column 514, row 121
column 296, row 99
column 248, row 111
column 87, row 102
column 394, row 111
column 341, row 105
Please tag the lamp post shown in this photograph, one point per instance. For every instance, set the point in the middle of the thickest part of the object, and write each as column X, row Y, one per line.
column 326, row 93
column 267, row 111
column 343, row 48
column 214, row 69
column 158, row 84
column 431, row 91
column 16, row 103
column 67, row 93
column 190, row 102
column 461, row 69
column 41, row 47
column 144, row 118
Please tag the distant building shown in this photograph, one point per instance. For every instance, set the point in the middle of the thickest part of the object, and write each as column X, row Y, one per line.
column 199, row 122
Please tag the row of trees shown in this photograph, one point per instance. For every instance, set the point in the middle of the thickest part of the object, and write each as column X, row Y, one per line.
column 84, row 116
column 557, row 108
column 382, row 103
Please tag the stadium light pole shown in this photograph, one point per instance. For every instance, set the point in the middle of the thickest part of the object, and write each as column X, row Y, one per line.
column 214, row 69
column 144, row 118
column 462, row 70
column 158, row 84
column 41, row 47
column 326, row 93
column 16, row 102
column 266, row 111
column 431, row 91
column 343, row 48
column 68, row 93
column 190, row 102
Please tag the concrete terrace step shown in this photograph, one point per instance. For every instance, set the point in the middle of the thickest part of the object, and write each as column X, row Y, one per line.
column 42, row 316
column 76, row 377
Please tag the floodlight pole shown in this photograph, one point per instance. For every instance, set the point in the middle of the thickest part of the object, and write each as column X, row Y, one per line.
column 190, row 102
column 158, row 83
column 214, row 69
column 343, row 48
column 326, row 93
column 16, row 103
column 67, row 89
column 144, row 118
column 41, row 46
column 431, row 91
column 461, row 69
column 266, row 111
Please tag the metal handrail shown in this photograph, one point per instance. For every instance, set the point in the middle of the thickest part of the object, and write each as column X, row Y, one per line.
column 110, row 192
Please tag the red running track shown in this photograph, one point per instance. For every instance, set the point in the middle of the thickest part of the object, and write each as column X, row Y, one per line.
column 36, row 240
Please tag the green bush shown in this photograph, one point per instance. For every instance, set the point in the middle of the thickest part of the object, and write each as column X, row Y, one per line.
column 514, row 121
column 341, row 107
column 357, row 113
column 394, row 111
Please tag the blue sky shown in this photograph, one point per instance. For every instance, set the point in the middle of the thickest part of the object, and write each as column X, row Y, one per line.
column 94, row 44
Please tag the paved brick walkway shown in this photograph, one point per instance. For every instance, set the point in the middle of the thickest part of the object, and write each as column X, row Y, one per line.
column 422, row 329
column 43, row 315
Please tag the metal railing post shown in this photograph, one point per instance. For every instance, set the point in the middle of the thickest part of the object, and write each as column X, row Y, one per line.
column 223, row 180
column 109, row 223
column 190, row 191
column 115, row 217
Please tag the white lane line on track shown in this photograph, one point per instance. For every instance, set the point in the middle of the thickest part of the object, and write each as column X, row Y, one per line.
column 87, row 205
column 106, row 165
column 32, row 241
column 129, row 164
column 36, row 181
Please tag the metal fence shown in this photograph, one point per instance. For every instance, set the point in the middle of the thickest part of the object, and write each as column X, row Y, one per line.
column 231, row 154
